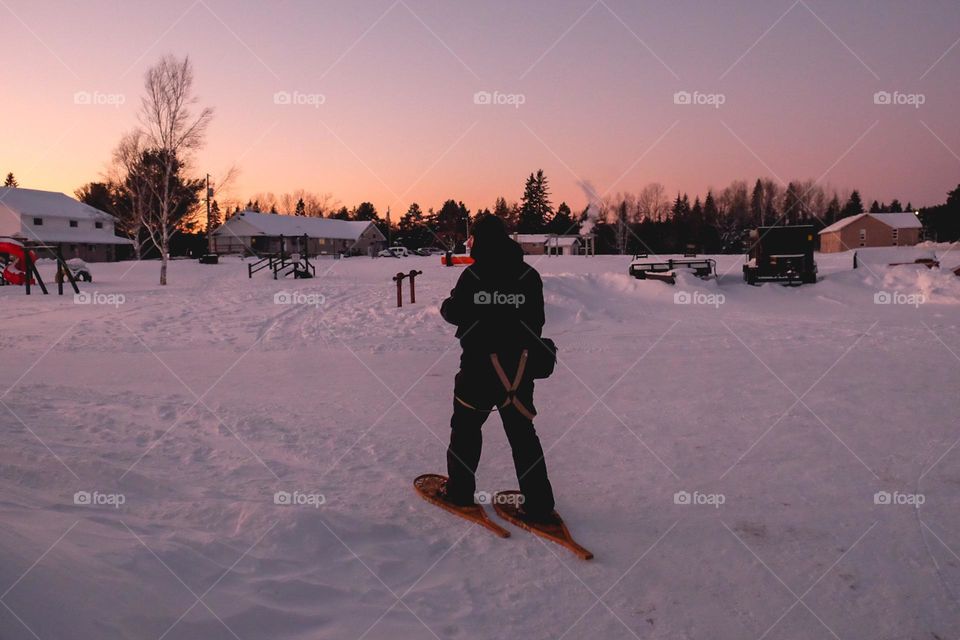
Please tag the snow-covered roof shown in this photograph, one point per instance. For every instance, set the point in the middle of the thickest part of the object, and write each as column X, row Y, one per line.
column 273, row 224
column 904, row 220
column 46, row 204
column 542, row 238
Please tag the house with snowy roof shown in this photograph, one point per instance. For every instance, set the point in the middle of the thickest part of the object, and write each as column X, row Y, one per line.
column 553, row 244
column 55, row 219
column 871, row 230
column 251, row 232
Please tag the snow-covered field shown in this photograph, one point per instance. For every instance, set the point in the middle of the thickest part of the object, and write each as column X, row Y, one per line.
column 781, row 411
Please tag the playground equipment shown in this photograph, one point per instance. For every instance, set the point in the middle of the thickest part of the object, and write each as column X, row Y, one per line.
column 17, row 269
column 781, row 254
column 284, row 264
column 413, row 291
column 643, row 268
column 21, row 266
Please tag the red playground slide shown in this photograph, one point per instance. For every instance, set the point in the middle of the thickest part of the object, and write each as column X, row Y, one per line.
column 15, row 271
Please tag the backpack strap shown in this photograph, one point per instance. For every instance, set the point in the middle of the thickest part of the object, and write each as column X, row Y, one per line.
column 511, row 387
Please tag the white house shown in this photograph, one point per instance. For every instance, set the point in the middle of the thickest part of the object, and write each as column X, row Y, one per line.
column 55, row 219
column 550, row 244
column 260, row 233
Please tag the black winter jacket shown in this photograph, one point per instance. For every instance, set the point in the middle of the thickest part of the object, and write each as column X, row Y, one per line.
column 497, row 304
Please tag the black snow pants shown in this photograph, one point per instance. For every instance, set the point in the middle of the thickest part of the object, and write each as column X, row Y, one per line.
column 477, row 391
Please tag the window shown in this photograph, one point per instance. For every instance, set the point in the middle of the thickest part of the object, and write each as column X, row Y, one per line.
column 38, row 222
column 863, row 237
column 73, row 224
column 98, row 225
column 895, row 236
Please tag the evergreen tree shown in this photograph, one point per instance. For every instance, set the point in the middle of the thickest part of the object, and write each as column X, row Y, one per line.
column 710, row 212
column 412, row 219
column 341, row 214
column 503, row 211
column 562, row 222
column 214, row 221
column 792, row 204
column 875, row 207
column 365, row 211
column 11, row 181
column 854, row 205
column 757, row 203
column 535, row 207
column 942, row 222
column 451, row 222
column 833, row 211
column 301, row 209
column 412, row 228
column 896, row 207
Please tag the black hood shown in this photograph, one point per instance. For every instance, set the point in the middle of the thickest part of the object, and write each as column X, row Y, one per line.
column 492, row 246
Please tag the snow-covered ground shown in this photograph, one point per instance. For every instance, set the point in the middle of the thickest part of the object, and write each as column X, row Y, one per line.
column 782, row 411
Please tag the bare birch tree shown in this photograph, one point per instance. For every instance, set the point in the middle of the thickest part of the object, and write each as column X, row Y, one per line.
column 175, row 132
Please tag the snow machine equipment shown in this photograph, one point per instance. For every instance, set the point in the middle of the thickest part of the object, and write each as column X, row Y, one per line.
column 781, row 254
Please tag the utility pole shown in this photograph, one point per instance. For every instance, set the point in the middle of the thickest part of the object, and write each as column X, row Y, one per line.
column 389, row 229
column 209, row 193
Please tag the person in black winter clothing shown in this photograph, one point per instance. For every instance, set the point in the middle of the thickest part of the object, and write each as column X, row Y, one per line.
column 497, row 306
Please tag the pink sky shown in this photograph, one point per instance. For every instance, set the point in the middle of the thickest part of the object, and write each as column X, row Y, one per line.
column 597, row 79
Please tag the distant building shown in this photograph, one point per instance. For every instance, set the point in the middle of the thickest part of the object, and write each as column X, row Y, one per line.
column 249, row 232
column 871, row 230
column 55, row 219
column 538, row 244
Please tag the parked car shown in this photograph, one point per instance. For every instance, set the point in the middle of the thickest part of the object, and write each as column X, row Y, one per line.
column 394, row 252
column 80, row 270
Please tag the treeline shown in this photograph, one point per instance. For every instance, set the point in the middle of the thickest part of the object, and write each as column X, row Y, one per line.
column 645, row 221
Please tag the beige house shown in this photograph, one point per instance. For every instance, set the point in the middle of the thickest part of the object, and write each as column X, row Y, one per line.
column 871, row 230
column 250, row 232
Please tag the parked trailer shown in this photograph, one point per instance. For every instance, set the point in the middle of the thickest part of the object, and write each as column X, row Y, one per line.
column 665, row 270
column 781, row 254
